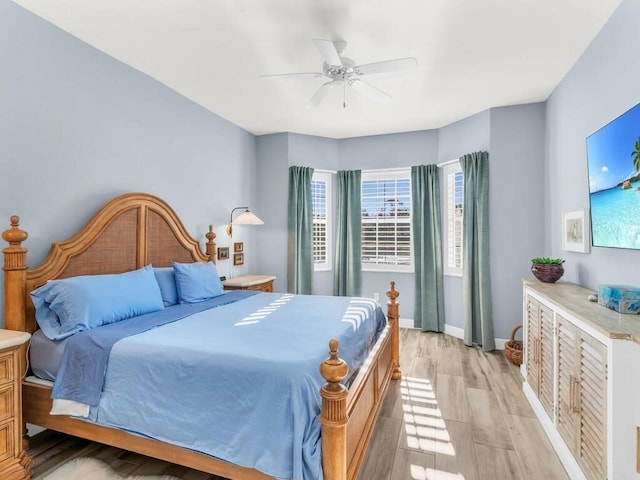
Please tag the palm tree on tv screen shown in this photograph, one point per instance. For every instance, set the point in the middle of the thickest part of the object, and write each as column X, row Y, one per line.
column 636, row 155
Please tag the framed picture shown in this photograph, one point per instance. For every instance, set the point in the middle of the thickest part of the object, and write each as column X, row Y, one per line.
column 238, row 247
column 238, row 258
column 223, row 253
column 575, row 233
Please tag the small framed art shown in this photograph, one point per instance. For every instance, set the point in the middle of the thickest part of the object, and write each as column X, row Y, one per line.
column 238, row 258
column 575, row 231
column 238, row 247
column 223, row 253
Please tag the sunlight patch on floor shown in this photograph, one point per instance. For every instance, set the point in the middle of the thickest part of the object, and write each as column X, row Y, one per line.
column 420, row 473
column 424, row 426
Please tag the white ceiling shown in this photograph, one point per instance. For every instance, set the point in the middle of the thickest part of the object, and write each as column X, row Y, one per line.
column 472, row 54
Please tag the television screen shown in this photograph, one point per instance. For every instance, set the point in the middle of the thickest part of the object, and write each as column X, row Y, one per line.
column 613, row 154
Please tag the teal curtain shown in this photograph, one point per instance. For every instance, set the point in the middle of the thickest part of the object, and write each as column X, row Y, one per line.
column 476, row 278
column 427, row 248
column 300, row 231
column 348, row 258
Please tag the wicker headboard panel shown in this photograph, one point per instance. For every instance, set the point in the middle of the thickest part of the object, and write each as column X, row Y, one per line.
column 128, row 232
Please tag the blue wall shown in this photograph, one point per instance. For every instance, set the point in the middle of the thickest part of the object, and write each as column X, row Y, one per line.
column 271, row 207
column 602, row 85
column 78, row 127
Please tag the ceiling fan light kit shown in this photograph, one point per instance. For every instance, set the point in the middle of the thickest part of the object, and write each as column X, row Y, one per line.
column 343, row 71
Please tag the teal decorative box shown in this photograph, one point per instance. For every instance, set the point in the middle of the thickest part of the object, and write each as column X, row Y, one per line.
column 621, row 298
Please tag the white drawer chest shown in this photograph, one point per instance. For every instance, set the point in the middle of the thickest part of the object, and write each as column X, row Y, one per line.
column 581, row 374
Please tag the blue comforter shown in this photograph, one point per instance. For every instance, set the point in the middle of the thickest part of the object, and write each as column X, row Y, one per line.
column 84, row 361
column 241, row 381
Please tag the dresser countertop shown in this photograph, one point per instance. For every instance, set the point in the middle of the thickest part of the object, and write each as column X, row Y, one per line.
column 572, row 298
column 11, row 338
column 247, row 280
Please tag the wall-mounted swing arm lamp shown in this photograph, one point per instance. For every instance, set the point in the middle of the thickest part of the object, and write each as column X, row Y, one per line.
column 245, row 218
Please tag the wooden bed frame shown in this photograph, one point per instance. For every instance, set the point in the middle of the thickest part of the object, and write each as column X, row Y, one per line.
column 136, row 229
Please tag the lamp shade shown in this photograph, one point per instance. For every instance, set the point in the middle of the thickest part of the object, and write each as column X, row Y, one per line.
column 247, row 218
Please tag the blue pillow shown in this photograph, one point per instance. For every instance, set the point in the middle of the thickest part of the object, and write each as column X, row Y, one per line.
column 197, row 281
column 72, row 305
column 167, row 283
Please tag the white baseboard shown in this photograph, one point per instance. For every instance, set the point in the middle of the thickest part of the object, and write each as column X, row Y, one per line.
column 500, row 343
column 453, row 331
column 406, row 323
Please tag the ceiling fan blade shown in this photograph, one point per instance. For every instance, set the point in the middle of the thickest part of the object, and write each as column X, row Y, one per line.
column 328, row 51
column 408, row 63
column 320, row 94
column 293, row 75
column 369, row 91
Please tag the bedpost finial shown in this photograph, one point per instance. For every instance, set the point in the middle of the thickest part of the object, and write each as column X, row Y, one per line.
column 393, row 293
column 14, row 235
column 334, row 369
column 210, row 234
column 333, row 348
column 211, row 244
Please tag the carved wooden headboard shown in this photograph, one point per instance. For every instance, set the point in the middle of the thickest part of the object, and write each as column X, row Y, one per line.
column 127, row 233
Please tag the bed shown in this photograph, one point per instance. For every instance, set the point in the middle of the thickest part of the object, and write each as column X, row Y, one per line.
column 135, row 230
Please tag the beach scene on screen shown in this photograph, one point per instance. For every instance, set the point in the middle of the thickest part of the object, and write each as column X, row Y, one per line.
column 613, row 154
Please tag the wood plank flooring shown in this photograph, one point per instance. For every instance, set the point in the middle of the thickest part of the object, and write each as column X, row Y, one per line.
column 461, row 415
column 457, row 414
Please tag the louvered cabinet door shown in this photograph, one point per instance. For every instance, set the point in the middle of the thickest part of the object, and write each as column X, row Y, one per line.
column 533, row 340
column 591, row 402
column 567, row 418
column 546, row 360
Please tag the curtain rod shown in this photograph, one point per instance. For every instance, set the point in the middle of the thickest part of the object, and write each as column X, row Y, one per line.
column 444, row 164
column 394, row 169
column 374, row 170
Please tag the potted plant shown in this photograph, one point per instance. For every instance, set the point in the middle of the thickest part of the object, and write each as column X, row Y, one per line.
column 548, row 270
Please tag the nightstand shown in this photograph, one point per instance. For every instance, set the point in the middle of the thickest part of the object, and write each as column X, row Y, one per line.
column 15, row 464
column 263, row 283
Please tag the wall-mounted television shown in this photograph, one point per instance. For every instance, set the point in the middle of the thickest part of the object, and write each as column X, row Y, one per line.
column 613, row 154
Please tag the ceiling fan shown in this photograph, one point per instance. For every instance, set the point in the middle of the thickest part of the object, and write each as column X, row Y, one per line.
column 343, row 71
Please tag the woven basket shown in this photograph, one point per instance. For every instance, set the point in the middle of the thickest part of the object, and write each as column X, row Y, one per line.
column 513, row 347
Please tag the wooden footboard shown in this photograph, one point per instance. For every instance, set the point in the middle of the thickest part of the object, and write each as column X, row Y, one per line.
column 348, row 415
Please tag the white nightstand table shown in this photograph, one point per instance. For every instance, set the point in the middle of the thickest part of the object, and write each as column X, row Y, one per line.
column 262, row 283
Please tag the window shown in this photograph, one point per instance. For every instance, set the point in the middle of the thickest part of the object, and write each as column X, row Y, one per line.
column 386, row 221
column 453, row 216
column 321, row 199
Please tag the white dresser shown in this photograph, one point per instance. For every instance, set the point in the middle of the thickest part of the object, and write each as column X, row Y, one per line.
column 582, row 377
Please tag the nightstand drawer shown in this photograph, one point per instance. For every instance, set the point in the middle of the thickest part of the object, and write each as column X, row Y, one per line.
column 7, row 409
column 263, row 287
column 6, row 440
column 15, row 463
column 6, row 368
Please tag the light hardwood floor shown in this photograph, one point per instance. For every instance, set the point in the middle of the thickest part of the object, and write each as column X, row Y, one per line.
column 457, row 414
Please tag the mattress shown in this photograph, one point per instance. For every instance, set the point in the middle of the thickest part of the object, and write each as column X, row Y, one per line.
column 45, row 356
